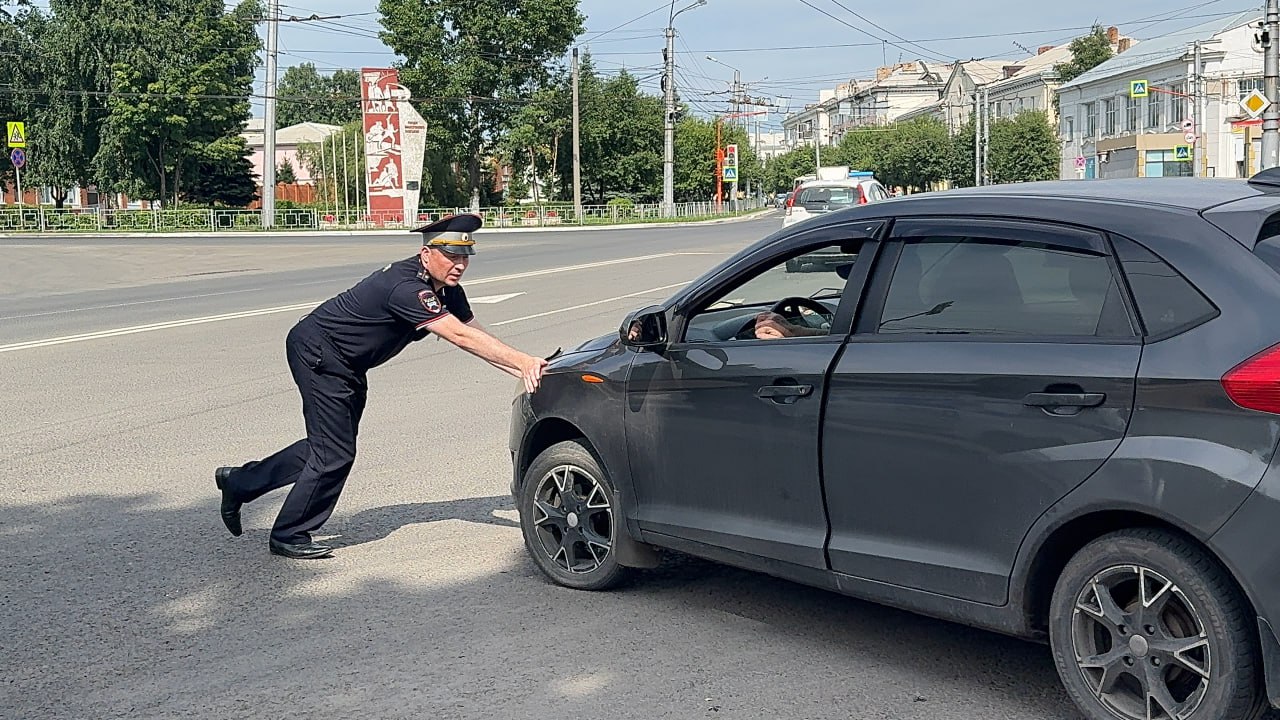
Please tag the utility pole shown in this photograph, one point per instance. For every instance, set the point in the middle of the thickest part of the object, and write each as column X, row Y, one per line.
column 977, row 137
column 669, row 124
column 1271, row 87
column 269, row 121
column 986, row 136
column 737, row 112
column 577, row 158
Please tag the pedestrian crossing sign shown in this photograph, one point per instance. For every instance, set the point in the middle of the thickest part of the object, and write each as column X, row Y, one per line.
column 731, row 174
column 1138, row 88
column 17, row 134
column 1182, row 153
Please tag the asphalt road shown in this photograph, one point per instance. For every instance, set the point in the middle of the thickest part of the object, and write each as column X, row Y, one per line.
column 130, row 368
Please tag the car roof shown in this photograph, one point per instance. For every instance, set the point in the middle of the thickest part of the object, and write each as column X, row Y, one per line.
column 1196, row 194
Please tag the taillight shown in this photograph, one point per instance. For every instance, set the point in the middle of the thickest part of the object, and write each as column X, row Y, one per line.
column 1255, row 383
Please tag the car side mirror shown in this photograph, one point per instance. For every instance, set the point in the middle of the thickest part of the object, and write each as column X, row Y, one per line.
column 645, row 329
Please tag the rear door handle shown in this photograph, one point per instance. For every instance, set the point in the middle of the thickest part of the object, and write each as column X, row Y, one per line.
column 1064, row 400
column 784, row 394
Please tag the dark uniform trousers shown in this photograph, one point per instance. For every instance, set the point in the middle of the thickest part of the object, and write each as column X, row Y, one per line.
column 333, row 398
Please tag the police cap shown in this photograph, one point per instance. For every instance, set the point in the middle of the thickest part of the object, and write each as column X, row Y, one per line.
column 452, row 234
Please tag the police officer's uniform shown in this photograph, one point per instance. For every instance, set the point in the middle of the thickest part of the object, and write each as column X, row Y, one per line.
column 329, row 351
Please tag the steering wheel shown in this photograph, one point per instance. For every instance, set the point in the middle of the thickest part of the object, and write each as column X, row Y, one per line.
column 789, row 308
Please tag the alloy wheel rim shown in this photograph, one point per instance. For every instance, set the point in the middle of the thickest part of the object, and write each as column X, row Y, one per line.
column 1141, row 645
column 573, row 520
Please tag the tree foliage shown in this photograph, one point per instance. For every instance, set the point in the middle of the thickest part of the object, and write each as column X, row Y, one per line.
column 1087, row 52
column 1024, row 148
column 307, row 96
column 477, row 62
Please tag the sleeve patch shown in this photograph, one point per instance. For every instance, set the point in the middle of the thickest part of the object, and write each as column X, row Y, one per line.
column 430, row 301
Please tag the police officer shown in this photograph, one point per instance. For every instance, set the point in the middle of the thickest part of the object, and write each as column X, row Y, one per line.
column 330, row 351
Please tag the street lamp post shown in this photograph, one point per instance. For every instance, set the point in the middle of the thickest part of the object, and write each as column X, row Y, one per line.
column 669, row 126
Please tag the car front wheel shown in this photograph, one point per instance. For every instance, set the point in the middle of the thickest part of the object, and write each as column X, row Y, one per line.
column 569, row 516
column 1145, row 625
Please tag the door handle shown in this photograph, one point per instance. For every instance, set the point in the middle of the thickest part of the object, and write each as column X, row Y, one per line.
column 1052, row 400
column 784, row 394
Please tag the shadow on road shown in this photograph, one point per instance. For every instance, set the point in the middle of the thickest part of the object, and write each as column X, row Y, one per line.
column 122, row 606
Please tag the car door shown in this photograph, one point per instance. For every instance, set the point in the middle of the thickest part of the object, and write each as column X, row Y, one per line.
column 723, row 428
column 991, row 372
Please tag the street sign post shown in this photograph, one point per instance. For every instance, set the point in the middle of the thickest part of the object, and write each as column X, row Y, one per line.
column 16, row 132
column 19, row 158
column 731, row 172
column 1138, row 88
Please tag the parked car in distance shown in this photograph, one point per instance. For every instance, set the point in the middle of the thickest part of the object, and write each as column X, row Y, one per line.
column 818, row 197
column 1050, row 410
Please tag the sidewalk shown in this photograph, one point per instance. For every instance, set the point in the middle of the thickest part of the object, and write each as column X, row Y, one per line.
column 750, row 215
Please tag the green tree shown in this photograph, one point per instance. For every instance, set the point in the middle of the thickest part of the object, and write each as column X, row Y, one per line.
column 336, row 165
column 781, row 172
column 477, row 61
column 1024, row 148
column 1087, row 52
column 916, row 154
column 307, row 96
column 532, row 145
column 285, row 173
column 695, row 160
column 189, row 89
column 962, row 150
column 220, row 173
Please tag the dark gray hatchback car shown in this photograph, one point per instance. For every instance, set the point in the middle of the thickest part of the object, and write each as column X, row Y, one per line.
column 1050, row 410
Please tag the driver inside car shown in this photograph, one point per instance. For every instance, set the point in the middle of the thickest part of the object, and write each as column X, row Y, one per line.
column 772, row 326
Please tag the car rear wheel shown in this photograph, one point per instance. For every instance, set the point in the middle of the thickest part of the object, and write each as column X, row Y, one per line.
column 569, row 517
column 1144, row 625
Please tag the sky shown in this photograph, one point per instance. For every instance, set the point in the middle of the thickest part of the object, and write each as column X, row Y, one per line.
column 782, row 48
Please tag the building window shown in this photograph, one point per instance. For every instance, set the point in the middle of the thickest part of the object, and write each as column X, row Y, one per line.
column 1091, row 118
column 1160, row 163
column 1109, row 116
column 1248, row 85
column 1178, row 105
column 1155, row 110
column 1069, row 127
column 1131, row 114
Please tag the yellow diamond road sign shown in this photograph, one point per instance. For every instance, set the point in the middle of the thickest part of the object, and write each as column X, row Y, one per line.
column 1254, row 103
column 17, row 134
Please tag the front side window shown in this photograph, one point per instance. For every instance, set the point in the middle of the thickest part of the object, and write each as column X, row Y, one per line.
column 788, row 299
column 977, row 286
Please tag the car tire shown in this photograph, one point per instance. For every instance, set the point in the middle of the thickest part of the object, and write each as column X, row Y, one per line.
column 1145, row 616
column 570, row 518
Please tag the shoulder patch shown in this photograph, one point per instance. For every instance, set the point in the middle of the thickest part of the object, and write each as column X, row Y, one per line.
column 388, row 267
column 429, row 301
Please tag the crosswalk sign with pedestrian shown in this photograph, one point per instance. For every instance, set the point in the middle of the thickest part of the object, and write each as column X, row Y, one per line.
column 1181, row 152
column 731, row 174
column 17, row 134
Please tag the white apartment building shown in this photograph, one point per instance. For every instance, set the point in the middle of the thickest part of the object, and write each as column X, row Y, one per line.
column 1106, row 133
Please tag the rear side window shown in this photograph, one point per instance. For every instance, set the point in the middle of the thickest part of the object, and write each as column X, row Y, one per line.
column 1167, row 302
column 976, row 286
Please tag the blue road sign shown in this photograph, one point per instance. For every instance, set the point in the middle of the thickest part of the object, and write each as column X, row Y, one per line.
column 19, row 157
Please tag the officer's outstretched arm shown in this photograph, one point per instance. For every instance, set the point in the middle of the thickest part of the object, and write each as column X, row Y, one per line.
column 489, row 348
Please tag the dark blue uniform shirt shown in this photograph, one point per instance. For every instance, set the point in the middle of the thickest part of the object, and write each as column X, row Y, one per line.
column 379, row 316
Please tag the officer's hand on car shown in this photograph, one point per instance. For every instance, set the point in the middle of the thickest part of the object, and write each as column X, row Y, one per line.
column 531, row 372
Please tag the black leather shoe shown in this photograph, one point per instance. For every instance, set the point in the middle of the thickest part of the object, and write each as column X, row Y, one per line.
column 305, row 551
column 230, row 506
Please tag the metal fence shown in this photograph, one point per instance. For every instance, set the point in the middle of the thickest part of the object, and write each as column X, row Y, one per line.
column 50, row 220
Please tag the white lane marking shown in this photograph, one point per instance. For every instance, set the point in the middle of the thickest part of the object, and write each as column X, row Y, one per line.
column 32, row 344
column 149, row 328
column 591, row 304
column 479, row 281
column 493, row 299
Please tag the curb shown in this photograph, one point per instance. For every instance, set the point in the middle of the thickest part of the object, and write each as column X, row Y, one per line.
column 389, row 233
